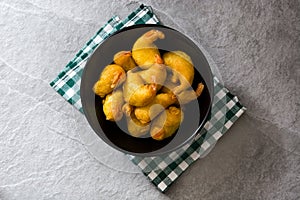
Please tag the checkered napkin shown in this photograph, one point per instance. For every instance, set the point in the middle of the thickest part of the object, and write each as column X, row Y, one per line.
column 162, row 171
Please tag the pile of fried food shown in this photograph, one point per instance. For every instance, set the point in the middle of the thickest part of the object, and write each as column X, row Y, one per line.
column 148, row 88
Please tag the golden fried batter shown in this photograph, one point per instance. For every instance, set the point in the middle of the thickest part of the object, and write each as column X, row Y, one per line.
column 124, row 59
column 183, row 69
column 134, row 126
column 144, row 51
column 184, row 96
column 136, row 93
column 187, row 96
column 166, row 123
column 111, row 76
column 146, row 113
column 168, row 85
column 112, row 105
column 127, row 109
column 157, row 74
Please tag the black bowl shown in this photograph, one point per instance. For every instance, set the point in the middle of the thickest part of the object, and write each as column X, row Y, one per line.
column 195, row 113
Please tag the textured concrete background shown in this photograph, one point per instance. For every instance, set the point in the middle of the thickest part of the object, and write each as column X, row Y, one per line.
column 256, row 46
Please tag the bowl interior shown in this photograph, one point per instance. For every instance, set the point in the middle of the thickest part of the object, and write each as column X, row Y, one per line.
column 195, row 114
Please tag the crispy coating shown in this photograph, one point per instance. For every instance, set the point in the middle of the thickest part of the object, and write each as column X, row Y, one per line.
column 166, row 124
column 144, row 51
column 136, row 93
column 124, row 59
column 183, row 69
column 111, row 76
column 134, row 126
column 168, row 86
column 143, row 95
column 160, row 102
column 187, row 96
column 112, row 105
column 157, row 74
column 127, row 109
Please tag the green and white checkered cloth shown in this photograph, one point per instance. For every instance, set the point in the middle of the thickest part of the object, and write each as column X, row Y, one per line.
column 162, row 171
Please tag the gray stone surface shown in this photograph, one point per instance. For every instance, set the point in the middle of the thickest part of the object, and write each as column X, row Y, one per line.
column 256, row 46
